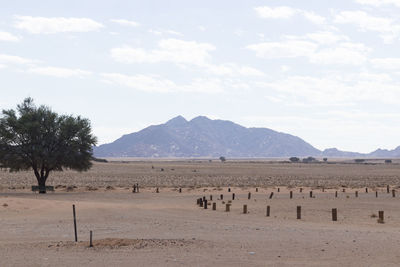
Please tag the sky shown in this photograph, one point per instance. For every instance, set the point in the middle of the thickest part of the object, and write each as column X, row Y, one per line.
column 326, row 71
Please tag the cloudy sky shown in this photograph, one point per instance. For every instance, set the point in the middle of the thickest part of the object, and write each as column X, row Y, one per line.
column 326, row 71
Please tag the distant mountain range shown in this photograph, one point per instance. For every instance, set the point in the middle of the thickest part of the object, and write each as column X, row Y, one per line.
column 203, row 137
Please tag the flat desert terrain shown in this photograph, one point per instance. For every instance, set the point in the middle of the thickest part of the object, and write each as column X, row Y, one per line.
column 169, row 228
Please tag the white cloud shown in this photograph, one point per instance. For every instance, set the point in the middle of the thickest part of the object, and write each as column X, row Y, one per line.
column 165, row 32
column 181, row 53
column 6, row 36
column 170, row 50
column 335, row 90
column 313, row 17
column 284, row 49
column 386, row 26
column 2, row 66
column 44, row 25
column 285, row 12
column 319, row 48
column 326, row 37
column 378, row 3
column 125, row 22
column 282, row 12
column 151, row 83
column 386, row 63
column 15, row 60
column 59, row 72
column 343, row 54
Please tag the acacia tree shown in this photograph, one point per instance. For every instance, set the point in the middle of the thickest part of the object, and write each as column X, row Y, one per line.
column 38, row 139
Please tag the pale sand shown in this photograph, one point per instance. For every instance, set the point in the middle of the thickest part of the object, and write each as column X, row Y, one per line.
column 169, row 229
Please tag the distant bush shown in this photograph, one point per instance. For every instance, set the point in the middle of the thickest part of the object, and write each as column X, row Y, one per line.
column 359, row 160
column 309, row 160
column 388, row 161
column 294, row 159
column 222, row 159
column 325, row 159
column 99, row 160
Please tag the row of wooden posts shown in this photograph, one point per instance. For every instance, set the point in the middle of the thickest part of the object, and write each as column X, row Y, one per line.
column 203, row 202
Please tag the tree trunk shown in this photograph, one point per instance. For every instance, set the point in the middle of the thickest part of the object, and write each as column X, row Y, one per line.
column 42, row 185
column 41, row 178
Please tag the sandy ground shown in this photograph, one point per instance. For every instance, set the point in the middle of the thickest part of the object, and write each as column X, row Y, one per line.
column 169, row 229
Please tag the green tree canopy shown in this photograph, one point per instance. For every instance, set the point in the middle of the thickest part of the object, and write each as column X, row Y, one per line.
column 39, row 139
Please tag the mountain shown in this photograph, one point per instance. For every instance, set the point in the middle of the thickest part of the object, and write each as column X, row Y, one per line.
column 203, row 137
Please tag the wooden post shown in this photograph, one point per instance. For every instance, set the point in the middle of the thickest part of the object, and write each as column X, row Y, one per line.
column 291, row 194
column 91, row 239
column 180, row 190
column 229, row 189
column 157, row 191
column 393, row 193
column 323, row 189
column 298, row 212
column 311, row 194
column 301, row 190
column 279, row 190
column 268, row 210
column 137, row 188
column 336, row 194
column 388, row 189
column 376, row 193
column 256, row 189
column 221, row 196
column 381, row 217
column 201, row 202
column 356, row 193
column 249, row 196
column 214, row 206
column 205, row 204
column 228, row 207
column 334, row 215
column 366, row 190
column 244, row 209
column 76, row 233
column 271, row 195
column 211, row 197
column 233, row 196
column 344, row 190
column 198, row 201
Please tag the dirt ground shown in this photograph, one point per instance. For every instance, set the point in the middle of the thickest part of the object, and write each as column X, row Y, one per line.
column 169, row 229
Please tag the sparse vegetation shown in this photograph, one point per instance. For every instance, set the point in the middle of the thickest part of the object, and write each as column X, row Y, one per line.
column 309, row 160
column 222, row 159
column 294, row 159
column 38, row 139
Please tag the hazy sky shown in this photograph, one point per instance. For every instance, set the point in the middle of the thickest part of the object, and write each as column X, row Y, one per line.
column 326, row 71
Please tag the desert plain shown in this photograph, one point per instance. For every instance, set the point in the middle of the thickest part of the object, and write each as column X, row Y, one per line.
column 169, row 228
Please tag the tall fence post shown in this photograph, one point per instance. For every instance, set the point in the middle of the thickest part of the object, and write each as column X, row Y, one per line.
column 91, row 239
column 268, row 210
column 381, row 217
column 298, row 212
column 76, row 233
column 334, row 215
column 245, row 209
